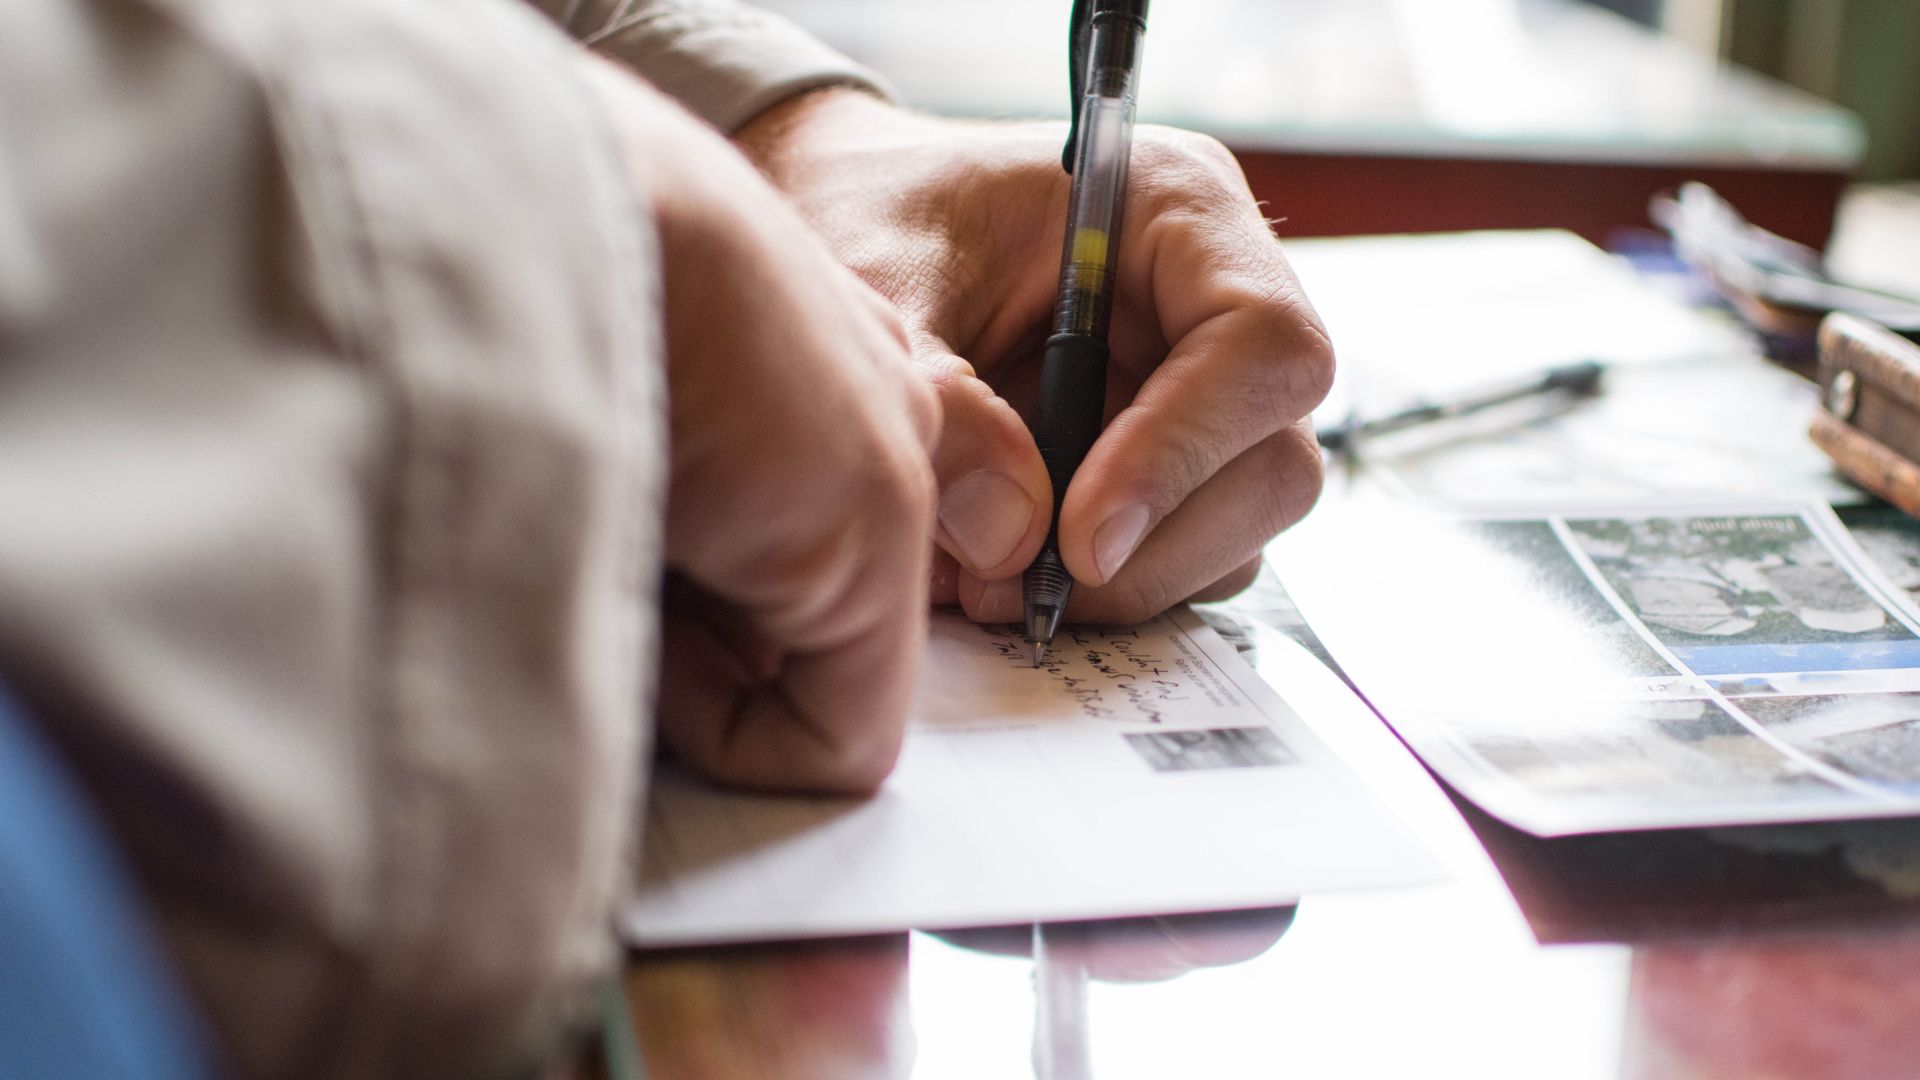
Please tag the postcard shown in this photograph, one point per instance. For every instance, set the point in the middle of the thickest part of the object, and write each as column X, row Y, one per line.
column 1140, row 770
column 1589, row 669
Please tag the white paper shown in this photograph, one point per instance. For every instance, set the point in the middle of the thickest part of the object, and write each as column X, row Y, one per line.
column 1686, row 408
column 1398, row 307
column 1586, row 668
column 1144, row 770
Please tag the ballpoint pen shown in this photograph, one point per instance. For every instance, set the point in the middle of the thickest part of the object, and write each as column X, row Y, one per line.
column 1579, row 379
column 1104, row 53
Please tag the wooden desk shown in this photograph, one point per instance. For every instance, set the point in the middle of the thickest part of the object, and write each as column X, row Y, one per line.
column 1686, row 954
column 1380, row 116
column 1700, row 960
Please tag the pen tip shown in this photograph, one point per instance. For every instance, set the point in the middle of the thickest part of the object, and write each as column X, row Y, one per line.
column 1041, row 623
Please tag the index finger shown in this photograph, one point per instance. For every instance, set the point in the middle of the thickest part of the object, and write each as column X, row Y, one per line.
column 1248, row 355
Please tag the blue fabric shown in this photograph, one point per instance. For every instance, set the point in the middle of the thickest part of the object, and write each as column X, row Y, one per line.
column 83, row 991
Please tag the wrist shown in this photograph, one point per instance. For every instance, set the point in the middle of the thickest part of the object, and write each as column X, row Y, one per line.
column 805, row 124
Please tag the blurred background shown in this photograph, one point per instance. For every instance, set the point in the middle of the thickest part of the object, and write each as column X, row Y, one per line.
column 1386, row 116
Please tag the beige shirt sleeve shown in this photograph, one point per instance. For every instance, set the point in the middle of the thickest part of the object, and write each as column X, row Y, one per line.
column 726, row 61
column 331, row 440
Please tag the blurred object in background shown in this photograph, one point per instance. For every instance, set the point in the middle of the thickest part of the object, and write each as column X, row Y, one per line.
column 1644, row 12
column 1877, row 239
column 1858, row 53
column 1390, row 116
column 1782, row 289
column 1688, row 410
column 1869, row 400
column 1855, row 53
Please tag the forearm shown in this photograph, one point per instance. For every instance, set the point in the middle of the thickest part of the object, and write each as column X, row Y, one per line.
column 332, row 452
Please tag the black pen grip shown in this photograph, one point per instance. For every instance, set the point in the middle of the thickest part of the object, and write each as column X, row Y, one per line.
column 1073, row 399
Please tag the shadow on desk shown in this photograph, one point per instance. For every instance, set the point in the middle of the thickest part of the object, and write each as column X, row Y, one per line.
column 1145, row 949
column 1694, row 884
column 1780, row 951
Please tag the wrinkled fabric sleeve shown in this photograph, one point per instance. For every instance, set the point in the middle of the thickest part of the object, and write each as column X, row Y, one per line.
column 725, row 61
column 331, row 476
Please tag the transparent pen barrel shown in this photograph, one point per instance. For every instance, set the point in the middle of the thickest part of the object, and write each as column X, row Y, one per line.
column 1094, row 208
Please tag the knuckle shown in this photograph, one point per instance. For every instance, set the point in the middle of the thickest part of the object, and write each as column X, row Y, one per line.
column 828, row 763
column 1185, row 169
column 1296, row 477
column 1296, row 369
column 853, row 764
column 1194, row 449
column 1210, row 152
column 1230, row 585
column 1188, row 149
column 1144, row 595
column 886, row 483
column 940, row 367
column 925, row 411
column 1005, row 437
column 861, row 772
column 923, row 494
column 907, row 493
column 1312, row 368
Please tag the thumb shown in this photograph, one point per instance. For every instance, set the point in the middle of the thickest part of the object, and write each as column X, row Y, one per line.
column 995, row 499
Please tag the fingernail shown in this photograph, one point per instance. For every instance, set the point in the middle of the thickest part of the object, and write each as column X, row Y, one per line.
column 1001, row 602
column 1114, row 541
column 985, row 514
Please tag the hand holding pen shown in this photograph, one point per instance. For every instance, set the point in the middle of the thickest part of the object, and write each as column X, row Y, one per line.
column 1215, row 355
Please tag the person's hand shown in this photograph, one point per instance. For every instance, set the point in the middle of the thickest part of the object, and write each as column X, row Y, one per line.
column 801, row 501
column 1217, row 356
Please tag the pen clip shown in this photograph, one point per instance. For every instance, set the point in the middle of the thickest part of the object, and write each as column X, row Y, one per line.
column 1079, row 38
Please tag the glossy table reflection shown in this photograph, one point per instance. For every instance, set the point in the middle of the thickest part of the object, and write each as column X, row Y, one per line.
column 1777, row 953
column 1722, row 954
